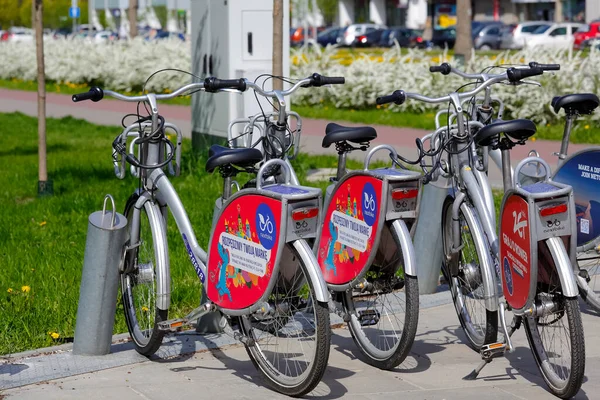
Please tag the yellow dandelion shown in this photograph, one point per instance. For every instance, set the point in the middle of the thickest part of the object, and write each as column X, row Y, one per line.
column 9, row 290
column 42, row 223
column 587, row 127
column 533, row 139
column 25, row 289
column 54, row 335
column 145, row 309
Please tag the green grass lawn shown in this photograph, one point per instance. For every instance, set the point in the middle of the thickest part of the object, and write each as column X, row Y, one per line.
column 43, row 239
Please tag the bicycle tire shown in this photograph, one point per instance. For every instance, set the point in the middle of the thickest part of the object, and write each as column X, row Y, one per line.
column 587, row 289
column 148, row 338
column 293, row 280
column 479, row 329
column 374, row 344
column 543, row 353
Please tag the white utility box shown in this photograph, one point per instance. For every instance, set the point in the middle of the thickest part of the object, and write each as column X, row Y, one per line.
column 232, row 39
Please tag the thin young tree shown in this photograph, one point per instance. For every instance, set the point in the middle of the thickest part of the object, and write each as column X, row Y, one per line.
column 132, row 14
column 44, row 186
column 464, row 41
column 277, row 43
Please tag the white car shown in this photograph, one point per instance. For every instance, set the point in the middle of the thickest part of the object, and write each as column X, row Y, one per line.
column 351, row 32
column 556, row 35
column 515, row 36
column 19, row 34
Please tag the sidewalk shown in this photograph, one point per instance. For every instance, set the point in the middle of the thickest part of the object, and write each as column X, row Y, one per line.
column 111, row 112
column 434, row 370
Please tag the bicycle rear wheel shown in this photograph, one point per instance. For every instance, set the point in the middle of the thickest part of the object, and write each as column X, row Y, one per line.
column 383, row 318
column 291, row 343
column 556, row 338
column 140, row 275
column 588, row 278
column 479, row 324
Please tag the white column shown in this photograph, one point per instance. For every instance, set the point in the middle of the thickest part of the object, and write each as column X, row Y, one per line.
column 416, row 15
column 377, row 11
column 592, row 10
column 346, row 12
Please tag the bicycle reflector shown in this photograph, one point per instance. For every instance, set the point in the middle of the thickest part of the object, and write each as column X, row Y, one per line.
column 403, row 194
column 305, row 213
column 553, row 209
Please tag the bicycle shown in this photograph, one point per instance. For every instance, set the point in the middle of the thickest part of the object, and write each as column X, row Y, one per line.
column 363, row 243
column 261, row 276
column 580, row 170
column 533, row 292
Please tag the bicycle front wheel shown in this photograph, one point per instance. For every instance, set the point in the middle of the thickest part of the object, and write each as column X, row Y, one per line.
column 140, row 275
column 291, row 343
column 479, row 324
column 556, row 336
column 383, row 317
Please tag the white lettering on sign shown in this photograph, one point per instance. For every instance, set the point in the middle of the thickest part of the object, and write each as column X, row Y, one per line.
column 246, row 255
column 589, row 172
column 515, row 247
column 352, row 232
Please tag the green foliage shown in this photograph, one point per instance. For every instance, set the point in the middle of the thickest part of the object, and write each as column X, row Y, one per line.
column 328, row 10
column 56, row 13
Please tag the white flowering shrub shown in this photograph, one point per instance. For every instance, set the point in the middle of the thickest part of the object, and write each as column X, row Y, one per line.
column 368, row 77
column 121, row 65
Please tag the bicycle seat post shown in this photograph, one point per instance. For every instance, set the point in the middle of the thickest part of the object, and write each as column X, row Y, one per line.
column 505, row 147
column 564, row 146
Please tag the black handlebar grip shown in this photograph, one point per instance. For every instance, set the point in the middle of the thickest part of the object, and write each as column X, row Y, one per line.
column 516, row 74
column 444, row 68
column 545, row 67
column 94, row 94
column 397, row 97
column 212, row 84
column 320, row 80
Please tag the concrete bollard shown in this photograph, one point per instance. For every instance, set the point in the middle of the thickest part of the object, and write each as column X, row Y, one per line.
column 106, row 237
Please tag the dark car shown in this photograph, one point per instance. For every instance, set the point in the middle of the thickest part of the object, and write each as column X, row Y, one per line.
column 329, row 36
column 444, row 37
column 298, row 36
column 404, row 36
column 370, row 39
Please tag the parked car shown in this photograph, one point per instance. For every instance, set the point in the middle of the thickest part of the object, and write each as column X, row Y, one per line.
column 556, row 35
column 443, row 37
column 586, row 32
column 105, row 37
column 370, row 39
column 515, row 36
column 486, row 34
column 351, row 32
column 17, row 34
column 404, row 36
column 329, row 36
column 297, row 35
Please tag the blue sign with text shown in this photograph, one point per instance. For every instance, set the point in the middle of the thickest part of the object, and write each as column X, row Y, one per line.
column 74, row 12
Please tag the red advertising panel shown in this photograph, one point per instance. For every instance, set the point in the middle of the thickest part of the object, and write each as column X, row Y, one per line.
column 515, row 251
column 243, row 251
column 350, row 225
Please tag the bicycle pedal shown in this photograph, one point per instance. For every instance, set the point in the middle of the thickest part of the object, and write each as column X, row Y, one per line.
column 492, row 350
column 172, row 325
column 368, row 317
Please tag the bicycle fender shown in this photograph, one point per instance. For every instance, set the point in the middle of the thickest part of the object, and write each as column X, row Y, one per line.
column 314, row 271
column 563, row 266
column 403, row 236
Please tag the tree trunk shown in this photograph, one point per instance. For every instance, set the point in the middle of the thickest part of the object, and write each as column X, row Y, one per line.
column 132, row 14
column 43, row 187
column 558, row 12
column 277, row 43
column 464, row 41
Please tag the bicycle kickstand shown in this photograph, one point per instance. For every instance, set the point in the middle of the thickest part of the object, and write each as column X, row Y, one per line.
column 494, row 350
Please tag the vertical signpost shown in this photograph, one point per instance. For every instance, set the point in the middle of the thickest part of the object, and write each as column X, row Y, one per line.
column 74, row 14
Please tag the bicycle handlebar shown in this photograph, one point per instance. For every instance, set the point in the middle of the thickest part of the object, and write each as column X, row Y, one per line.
column 213, row 84
column 398, row 97
column 94, row 94
column 545, row 67
column 444, row 68
column 89, row 96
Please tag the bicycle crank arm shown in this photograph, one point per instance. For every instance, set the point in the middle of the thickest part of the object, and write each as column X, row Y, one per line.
column 177, row 324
